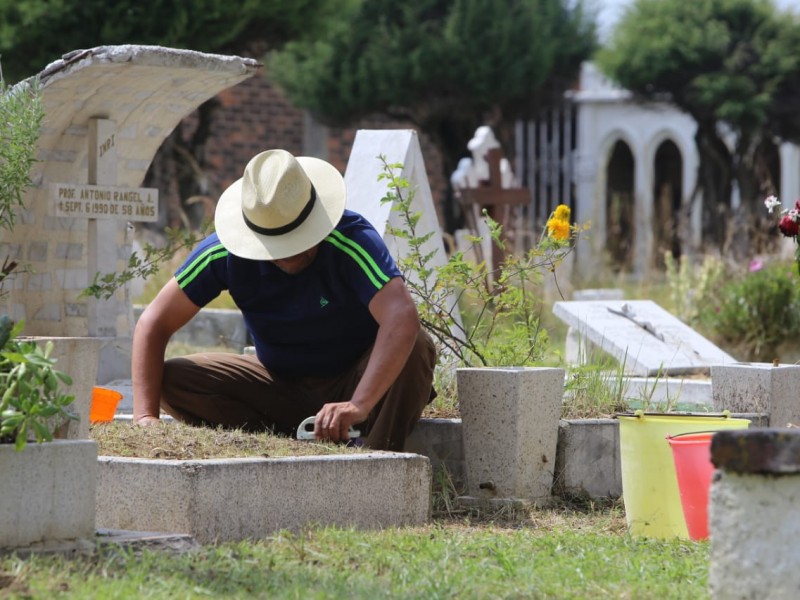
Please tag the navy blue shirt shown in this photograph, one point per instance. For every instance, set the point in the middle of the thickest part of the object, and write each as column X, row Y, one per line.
column 316, row 322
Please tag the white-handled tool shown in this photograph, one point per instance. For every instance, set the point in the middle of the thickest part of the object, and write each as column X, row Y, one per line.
column 306, row 430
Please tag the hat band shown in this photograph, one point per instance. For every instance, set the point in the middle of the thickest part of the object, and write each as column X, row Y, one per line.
column 291, row 226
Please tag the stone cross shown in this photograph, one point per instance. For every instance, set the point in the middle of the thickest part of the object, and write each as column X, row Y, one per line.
column 102, row 203
column 486, row 184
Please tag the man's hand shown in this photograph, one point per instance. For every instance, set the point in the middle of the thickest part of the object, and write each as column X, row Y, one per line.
column 145, row 421
column 335, row 419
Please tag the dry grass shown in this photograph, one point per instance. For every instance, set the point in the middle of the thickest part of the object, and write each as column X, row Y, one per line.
column 177, row 441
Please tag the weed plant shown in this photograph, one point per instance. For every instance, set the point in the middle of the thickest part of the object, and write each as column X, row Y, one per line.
column 755, row 313
column 477, row 316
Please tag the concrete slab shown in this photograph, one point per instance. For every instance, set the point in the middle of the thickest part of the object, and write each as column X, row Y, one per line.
column 664, row 391
column 47, row 492
column 109, row 540
column 248, row 498
column 758, row 387
column 136, row 541
column 588, row 458
column 643, row 336
column 441, row 441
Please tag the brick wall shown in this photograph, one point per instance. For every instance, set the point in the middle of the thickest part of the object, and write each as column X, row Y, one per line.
column 254, row 116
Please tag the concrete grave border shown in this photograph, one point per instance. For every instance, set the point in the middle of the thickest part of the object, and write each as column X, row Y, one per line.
column 249, row 498
column 47, row 493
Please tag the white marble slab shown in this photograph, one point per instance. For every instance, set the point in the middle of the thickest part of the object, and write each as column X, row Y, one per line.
column 642, row 335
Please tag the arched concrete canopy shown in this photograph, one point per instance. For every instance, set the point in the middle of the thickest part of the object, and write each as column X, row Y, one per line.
column 145, row 91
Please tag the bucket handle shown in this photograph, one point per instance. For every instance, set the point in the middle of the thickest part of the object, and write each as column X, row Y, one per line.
column 639, row 413
column 672, row 437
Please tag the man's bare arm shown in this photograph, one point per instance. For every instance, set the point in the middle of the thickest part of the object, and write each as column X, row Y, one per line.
column 170, row 310
column 398, row 326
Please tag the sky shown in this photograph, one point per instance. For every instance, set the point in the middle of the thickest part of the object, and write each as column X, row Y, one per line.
column 611, row 10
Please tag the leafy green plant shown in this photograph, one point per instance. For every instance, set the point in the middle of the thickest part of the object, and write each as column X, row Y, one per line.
column 32, row 402
column 478, row 316
column 21, row 115
column 145, row 264
column 756, row 312
column 691, row 286
column 595, row 390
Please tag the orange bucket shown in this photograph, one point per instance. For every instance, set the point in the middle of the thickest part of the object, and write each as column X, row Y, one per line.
column 693, row 466
column 104, row 405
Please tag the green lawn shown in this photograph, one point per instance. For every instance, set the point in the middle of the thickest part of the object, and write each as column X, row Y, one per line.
column 546, row 553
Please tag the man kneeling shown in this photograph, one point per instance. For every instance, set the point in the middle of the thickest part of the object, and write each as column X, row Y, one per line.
column 336, row 332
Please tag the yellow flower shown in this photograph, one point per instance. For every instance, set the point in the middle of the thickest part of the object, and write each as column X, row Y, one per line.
column 562, row 213
column 558, row 228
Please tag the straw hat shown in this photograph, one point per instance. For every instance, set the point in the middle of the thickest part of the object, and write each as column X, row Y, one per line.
column 282, row 206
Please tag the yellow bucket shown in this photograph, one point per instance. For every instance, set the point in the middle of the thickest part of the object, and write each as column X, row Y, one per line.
column 649, row 482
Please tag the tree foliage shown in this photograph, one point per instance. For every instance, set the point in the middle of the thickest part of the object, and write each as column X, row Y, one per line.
column 34, row 33
column 447, row 66
column 730, row 64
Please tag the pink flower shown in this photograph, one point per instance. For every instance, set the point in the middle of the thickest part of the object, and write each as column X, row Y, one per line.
column 755, row 265
column 788, row 224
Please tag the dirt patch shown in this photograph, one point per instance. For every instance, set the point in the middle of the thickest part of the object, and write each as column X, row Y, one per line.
column 177, row 441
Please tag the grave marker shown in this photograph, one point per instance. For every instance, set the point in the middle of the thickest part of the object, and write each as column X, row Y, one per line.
column 644, row 337
column 486, row 182
column 364, row 192
column 103, row 204
column 102, row 199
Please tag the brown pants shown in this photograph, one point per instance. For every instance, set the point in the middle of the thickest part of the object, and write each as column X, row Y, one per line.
column 237, row 391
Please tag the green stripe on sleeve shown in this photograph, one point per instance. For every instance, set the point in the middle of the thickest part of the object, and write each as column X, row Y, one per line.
column 357, row 247
column 201, row 262
column 355, row 257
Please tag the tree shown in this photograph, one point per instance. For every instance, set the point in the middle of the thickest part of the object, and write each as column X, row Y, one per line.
column 730, row 64
column 34, row 33
column 447, row 66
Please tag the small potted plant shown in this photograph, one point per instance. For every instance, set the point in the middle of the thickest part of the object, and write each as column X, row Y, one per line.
column 33, row 404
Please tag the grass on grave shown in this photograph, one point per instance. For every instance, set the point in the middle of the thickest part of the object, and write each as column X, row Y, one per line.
column 172, row 440
column 565, row 551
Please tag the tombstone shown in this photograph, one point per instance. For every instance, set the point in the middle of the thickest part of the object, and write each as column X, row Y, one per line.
column 642, row 336
column 365, row 190
column 579, row 350
column 486, row 182
column 107, row 111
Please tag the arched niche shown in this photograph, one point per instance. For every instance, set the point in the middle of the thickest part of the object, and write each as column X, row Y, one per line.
column 667, row 200
column 619, row 204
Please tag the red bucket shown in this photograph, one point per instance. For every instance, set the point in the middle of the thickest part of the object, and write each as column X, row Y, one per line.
column 693, row 466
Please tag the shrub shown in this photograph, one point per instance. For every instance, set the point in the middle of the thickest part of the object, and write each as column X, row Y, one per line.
column 755, row 313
